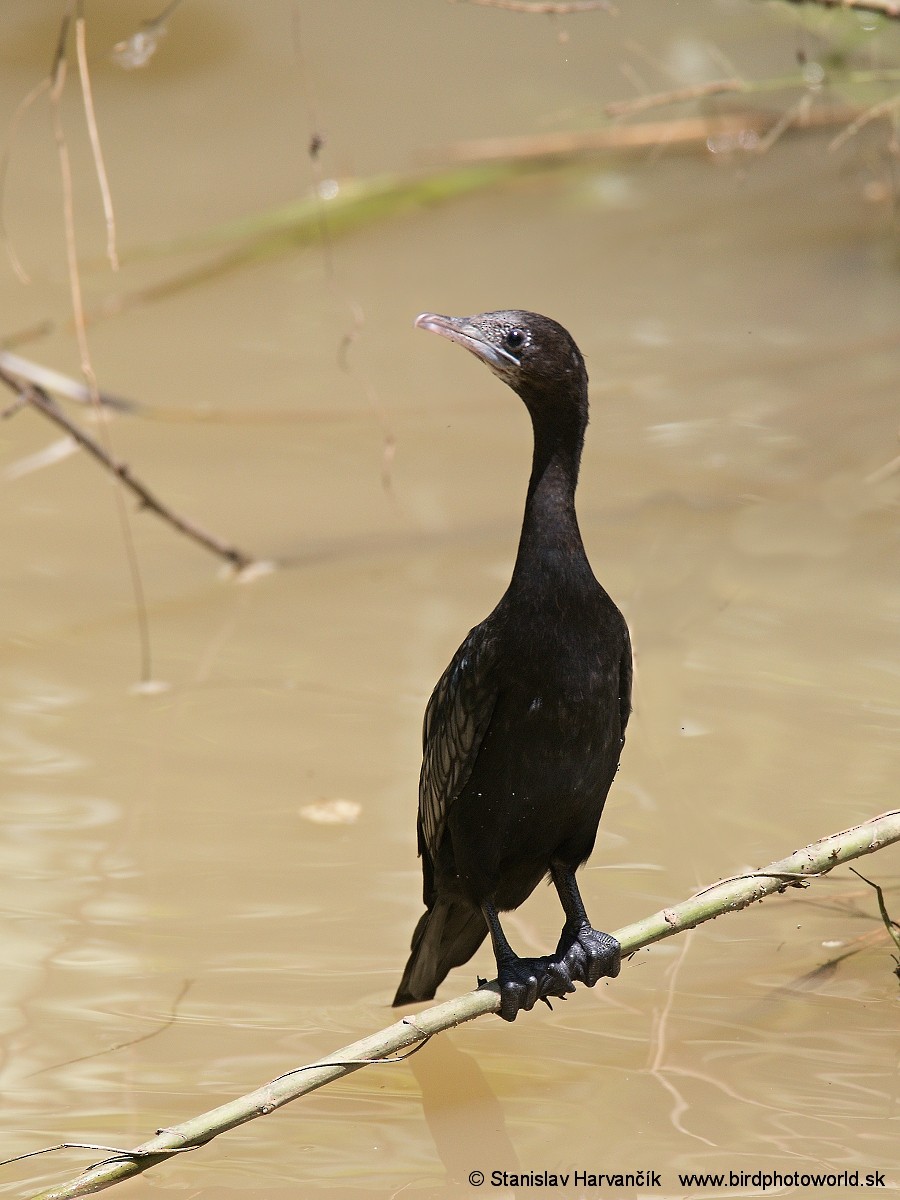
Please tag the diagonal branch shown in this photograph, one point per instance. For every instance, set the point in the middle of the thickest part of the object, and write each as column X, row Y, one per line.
column 30, row 393
column 62, row 385
column 884, row 8
column 729, row 895
column 553, row 8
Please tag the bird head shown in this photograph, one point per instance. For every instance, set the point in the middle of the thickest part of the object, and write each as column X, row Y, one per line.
column 534, row 355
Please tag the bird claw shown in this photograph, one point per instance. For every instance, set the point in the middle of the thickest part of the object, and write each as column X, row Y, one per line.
column 583, row 955
column 558, row 980
column 589, row 955
column 524, row 981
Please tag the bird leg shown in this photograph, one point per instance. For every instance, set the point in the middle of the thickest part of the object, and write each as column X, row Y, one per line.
column 583, row 953
column 523, row 981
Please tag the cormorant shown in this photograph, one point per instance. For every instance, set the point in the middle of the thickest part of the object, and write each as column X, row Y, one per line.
column 523, row 731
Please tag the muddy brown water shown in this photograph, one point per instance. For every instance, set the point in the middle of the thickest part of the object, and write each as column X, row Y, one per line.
column 160, row 872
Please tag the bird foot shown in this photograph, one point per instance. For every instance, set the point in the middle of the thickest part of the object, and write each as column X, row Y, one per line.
column 587, row 955
column 524, row 981
column 583, row 955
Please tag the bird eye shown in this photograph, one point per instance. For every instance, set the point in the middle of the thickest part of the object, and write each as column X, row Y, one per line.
column 514, row 339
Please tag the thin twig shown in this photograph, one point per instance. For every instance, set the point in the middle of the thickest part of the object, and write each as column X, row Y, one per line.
column 43, row 402
column 788, row 878
column 78, row 315
column 885, row 8
column 362, row 1062
column 808, row 863
column 643, row 135
column 679, row 95
column 96, row 149
column 4, row 1162
column 163, row 1023
column 792, row 115
column 560, row 8
column 747, row 87
column 890, row 924
column 78, row 392
column 63, row 385
column 871, row 114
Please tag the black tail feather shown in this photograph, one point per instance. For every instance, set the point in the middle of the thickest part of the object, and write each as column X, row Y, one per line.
column 446, row 936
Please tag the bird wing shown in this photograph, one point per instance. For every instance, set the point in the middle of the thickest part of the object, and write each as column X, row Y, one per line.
column 626, row 673
column 456, row 720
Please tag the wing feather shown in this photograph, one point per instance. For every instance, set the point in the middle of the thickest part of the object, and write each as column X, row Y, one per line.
column 626, row 672
column 456, row 720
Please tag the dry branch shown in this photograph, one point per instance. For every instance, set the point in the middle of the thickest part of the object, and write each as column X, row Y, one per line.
column 729, row 895
column 63, row 385
column 646, row 135
column 553, row 8
column 751, row 87
column 884, row 8
column 679, row 95
column 37, row 398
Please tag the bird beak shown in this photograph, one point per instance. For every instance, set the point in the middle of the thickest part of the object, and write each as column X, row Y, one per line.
column 461, row 330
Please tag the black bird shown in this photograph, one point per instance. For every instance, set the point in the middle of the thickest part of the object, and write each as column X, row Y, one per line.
column 524, row 730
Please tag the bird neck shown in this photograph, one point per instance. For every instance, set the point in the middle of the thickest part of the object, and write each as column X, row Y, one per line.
column 550, row 544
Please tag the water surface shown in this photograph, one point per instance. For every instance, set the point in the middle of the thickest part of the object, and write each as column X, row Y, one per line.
column 160, row 872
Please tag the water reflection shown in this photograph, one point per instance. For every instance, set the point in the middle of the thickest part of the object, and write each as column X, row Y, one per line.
column 457, row 1098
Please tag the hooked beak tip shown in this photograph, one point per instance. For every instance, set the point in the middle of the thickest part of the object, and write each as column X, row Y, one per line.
column 433, row 322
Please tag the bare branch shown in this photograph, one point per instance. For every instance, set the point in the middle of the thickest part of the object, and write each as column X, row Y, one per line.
column 797, row 870
column 871, row 114
column 162, row 1024
column 884, row 8
column 679, row 95
column 561, row 8
column 60, row 68
column 63, row 385
column 96, row 149
column 689, row 131
column 43, row 402
column 748, row 87
column 890, row 924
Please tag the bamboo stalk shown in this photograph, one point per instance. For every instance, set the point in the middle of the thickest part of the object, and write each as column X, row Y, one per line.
column 729, row 895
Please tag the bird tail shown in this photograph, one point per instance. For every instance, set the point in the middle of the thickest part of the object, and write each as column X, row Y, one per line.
column 446, row 936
